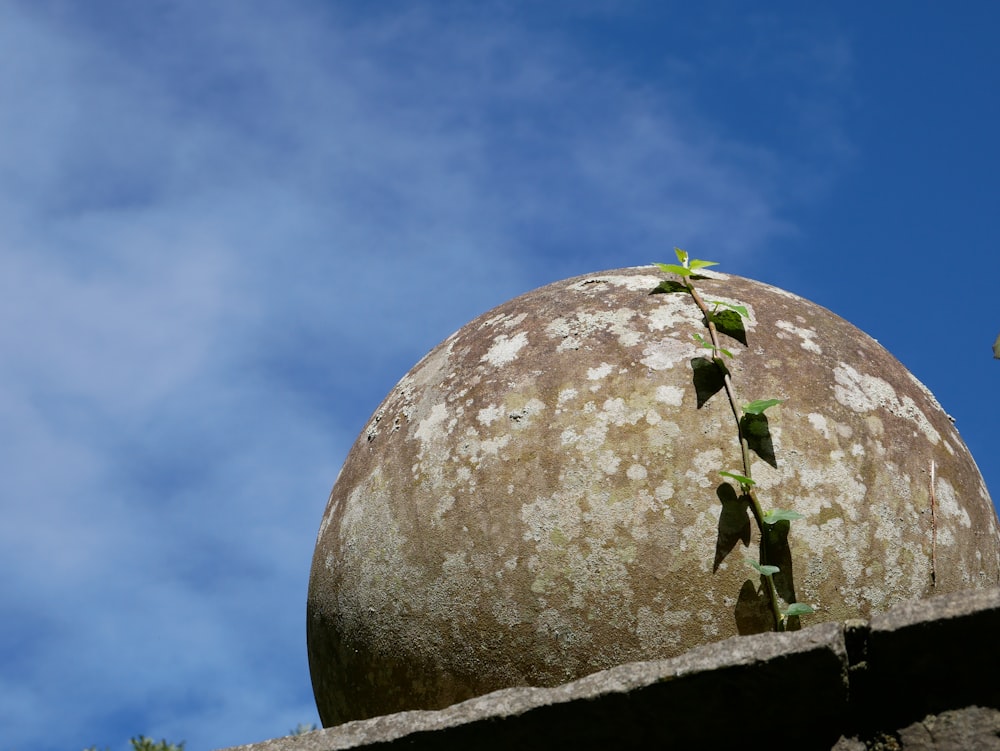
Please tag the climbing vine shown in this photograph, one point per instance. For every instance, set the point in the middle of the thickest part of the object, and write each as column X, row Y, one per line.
column 720, row 314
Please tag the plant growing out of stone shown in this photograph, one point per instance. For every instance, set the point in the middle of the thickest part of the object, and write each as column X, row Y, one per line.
column 742, row 413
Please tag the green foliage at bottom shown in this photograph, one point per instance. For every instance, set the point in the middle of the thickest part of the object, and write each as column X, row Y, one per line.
column 142, row 743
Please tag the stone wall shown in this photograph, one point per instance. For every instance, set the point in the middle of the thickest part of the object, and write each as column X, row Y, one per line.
column 923, row 675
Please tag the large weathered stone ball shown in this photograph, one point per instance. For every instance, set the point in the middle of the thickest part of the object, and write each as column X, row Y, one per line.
column 540, row 498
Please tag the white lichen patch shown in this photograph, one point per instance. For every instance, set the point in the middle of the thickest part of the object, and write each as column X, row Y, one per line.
column 670, row 395
column 831, row 536
column 601, row 371
column 617, row 412
column 514, row 321
column 833, row 484
column 568, row 437
column 947, row 502
column 474, row 450
column 613, row 412
column 664, row 491
column 706, row 466
column 908, row 409
column 492, row 321
column 584, row 542
column 565, row 395
column 546, row 519
column 608, row 461
column 700, row 548
column 600, row 578
column 667, row 352
column 443, row 506
column 430, row 427
column 862, row 392
column 818, row 422
column 677, row 312
column 520, row 417
column 806, row 335
column 660, row 632
column 985, row 495
column 709, row 626
column 500, row 319
column 428, row 371
column 637, row 283
column 507, row 612
column 592, row 438
column 492, row 446
column 662, row 435
column 328, row 516
column 636, row 472
column 489, row 415
column 845, row 519
column 574, row 331
column 504, row 349
column 378, row 578
column 566, row 630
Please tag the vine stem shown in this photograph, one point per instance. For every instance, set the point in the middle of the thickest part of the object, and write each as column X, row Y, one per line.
column 933, row 531
column 758, row 512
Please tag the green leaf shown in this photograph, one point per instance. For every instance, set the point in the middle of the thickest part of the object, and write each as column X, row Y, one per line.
column 671, row 268
column 670, row 286
column 776, row 515
column 682, row 256
column 996, row 349
column 758, row 407
column 798, row 608
column 741, row 309
column 708, row 345
column 699, row 264
column 741, row 479
column 763, row 570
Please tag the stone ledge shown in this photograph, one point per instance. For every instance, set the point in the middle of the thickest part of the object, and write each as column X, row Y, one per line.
column 829, row 685
column 928, row 656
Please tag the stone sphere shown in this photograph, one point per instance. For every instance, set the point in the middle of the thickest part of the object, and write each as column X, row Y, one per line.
column 540, row 496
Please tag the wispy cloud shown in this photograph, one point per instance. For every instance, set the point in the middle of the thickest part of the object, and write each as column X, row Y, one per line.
column 227, row 229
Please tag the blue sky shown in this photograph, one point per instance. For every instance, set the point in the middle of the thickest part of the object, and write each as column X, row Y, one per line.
column 228, row 228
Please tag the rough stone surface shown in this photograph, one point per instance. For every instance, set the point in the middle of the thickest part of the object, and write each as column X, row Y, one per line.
column 539, row 497
column 975, row 728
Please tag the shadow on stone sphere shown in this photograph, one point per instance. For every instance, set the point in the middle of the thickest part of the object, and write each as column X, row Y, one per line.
column 734, row 523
